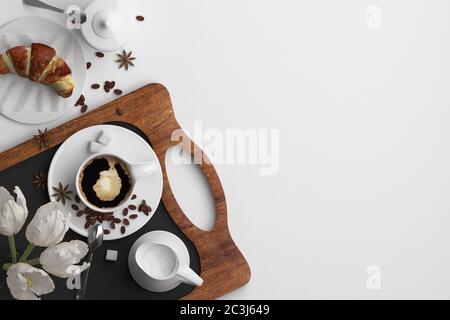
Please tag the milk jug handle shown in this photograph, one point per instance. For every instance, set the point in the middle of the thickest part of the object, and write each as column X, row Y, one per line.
column 187, row 275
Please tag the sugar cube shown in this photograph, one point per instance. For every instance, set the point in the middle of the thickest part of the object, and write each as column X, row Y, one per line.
column 111, row 255
column 95, row 147
column 104, row 138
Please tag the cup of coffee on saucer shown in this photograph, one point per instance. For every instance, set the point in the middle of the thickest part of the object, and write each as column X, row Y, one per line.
column 106, row 182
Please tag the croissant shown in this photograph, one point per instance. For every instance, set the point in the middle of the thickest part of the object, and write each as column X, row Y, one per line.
column 39, row 63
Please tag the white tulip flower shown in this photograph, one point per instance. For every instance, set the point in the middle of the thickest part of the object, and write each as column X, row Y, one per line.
column 28, row 283
column 49, row 225
column 61, row 260
column 13, row 213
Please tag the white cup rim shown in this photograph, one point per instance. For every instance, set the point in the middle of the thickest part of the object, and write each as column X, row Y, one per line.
column 80, row 193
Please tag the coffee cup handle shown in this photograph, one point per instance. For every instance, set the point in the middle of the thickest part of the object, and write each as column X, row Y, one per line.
column 143, row 169
column 187, row 275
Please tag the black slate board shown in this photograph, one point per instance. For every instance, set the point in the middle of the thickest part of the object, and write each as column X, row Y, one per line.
column 107, row 280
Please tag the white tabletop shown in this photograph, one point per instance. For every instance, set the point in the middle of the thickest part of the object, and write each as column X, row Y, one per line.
column 360, row 97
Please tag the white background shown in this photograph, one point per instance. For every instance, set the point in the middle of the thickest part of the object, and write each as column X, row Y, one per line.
column 365, row 137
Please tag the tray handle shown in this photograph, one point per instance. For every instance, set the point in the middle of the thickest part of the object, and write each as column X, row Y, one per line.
column 208, row 169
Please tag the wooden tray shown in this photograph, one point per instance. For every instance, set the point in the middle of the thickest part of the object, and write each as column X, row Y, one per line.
column 223, row 267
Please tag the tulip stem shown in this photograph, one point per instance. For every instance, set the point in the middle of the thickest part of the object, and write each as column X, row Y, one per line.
column 12, row 248
column 27, row 252
column 33, row 262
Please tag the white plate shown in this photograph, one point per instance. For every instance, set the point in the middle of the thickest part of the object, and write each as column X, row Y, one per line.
column 32, row 103
column 125, row 144
column 158, row 237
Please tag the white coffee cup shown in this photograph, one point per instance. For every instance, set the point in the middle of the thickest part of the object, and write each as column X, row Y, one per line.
column 156, row 263
column 137, row 171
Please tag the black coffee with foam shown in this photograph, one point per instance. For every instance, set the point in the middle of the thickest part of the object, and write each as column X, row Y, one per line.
column 95, row 171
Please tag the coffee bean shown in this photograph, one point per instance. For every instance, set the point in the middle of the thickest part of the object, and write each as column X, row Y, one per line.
column 95, row 86
column 133, row 197
column 132, row 207
column 140, row 18
column 122, row 230
column 99, row 218
column 84, row 108
column 133, row 216
column 113, row 225
column 110, row 218
column 140, row 208
column 80, row 101
column 118, row 92
column 77, row 199
column 117, row 220
column 87, row 224
column 80, row 213
column 88, row 65
column 100, row 54
column 125, row 212
column 107, row 90
column 146, row 210
column 93, row 221
column 126, row 222
column 119, row 112
column 75, row 207
column 106, row 231
column 110, row 84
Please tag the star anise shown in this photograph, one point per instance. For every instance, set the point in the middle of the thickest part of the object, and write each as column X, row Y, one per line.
column 62, row 193
column 40, row 180
column 43, row 139
column 125, row 60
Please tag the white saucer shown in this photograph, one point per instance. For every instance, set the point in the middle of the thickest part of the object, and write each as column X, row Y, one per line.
column 125, row 144
column 24, row 101
column 158, row 237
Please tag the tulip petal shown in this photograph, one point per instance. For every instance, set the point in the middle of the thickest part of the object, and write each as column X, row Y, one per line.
column 26, row 282
column 21, row 201
column 5, row 196
column 6, row 220
column 42, row 283
column 12, row 219
column 49, row 225
column 66, row 271
column 60, row 259
column 81, row 249
column 13, row 214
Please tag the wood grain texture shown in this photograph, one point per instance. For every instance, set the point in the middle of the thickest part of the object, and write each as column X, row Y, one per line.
column 223, row 267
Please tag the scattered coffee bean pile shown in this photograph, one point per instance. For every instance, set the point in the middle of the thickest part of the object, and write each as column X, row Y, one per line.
column 92, row 217
column 108, row 85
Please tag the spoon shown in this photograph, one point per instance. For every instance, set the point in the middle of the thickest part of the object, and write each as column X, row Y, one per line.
column 70, row 12
column 95, row 240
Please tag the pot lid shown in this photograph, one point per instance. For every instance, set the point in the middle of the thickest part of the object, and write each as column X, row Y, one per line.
column 109, row 25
